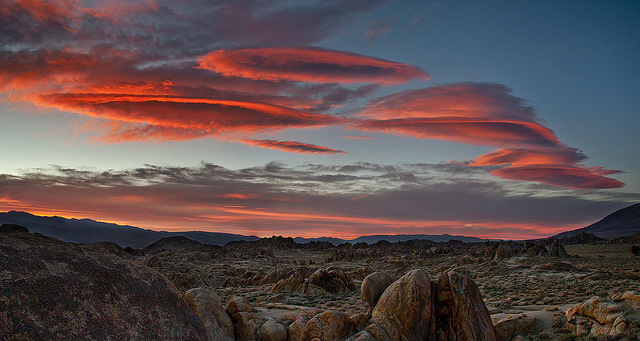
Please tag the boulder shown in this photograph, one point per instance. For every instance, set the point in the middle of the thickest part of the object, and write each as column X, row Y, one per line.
column 295, row 331
column 333, row 280
column 405, row 311
column 461, row 312
column 597, row 316
column 294, row 283
column 54, row 290
column 632, row 298
column 512, row 326
column 238, row 304
column 248, row 326
column 373, row 286
column 273, row 331
column 214, row 317
column 360, row 321
column 330, row 325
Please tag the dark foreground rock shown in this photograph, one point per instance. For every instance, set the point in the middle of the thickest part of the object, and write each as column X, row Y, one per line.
column 53, row 290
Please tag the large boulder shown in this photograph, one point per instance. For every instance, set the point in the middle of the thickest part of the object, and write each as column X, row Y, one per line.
column 461, row 313
column 271, row 330
column 54, row 290
column 214, row 317
column 374, row 285
column 330, row 325
column 597, row 316
column 405, row 310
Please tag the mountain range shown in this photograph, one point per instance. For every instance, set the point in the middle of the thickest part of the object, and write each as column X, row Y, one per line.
column 624, row 222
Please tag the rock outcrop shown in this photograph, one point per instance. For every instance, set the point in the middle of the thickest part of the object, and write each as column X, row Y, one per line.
column 513, row 326
column 214, row 317
column 461, row 312
column 557, row 250
column 54, row 290
column 373, row 286
column 406, row 310
column 597, row 316
column 330, row 325
column 321, row 282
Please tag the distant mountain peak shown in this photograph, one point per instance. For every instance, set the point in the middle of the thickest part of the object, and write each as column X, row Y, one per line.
column 621, row 223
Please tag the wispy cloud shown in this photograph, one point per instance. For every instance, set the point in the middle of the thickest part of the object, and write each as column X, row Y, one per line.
column 292, row 146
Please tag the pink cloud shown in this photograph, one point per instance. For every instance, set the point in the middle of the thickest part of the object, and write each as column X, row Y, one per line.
column 558, row 175
column 307, row 64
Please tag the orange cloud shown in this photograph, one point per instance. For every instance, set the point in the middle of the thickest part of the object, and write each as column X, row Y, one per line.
column 517, row 157
column 307, row 64
column 204, row 115
column 292, row 146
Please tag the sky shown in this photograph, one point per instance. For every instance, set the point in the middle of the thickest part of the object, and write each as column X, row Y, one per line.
column 497, row 119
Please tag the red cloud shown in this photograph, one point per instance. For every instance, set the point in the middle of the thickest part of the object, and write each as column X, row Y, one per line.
column 292, row 146
column 201, row 114
column 308, row 64
column 558, row 175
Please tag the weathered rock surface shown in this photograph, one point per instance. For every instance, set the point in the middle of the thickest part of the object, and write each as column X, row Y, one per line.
column 53, row 290
column 405, row 310
column 630, row 297
column 214, row 317
column 374, row 285
column 597, row 316
column 513, row 326
column 333, row 280
column 461, row 312
column 320, row 282
column 504, row 251
column 273, row 331
column 330, row 325
column 557, row 250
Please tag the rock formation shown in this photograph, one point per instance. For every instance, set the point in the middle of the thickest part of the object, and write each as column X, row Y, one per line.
column 214, row 317
column 54, row 290
column 406, row 310
column 461, row 312
column 597, row 316
column 374, row 285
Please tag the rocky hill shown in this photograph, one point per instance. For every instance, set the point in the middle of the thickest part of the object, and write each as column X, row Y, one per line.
column 622, row 223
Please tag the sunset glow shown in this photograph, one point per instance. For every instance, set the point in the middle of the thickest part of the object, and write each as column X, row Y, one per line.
column 315, row 118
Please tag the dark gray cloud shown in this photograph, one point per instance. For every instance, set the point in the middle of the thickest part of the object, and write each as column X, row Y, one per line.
column 312, row 199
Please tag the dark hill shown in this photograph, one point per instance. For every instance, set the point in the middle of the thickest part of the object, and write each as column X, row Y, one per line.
column 174, row 243
column 88, row 231
column 621, row 223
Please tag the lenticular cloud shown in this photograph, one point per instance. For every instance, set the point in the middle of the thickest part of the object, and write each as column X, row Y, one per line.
column 307, row 64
